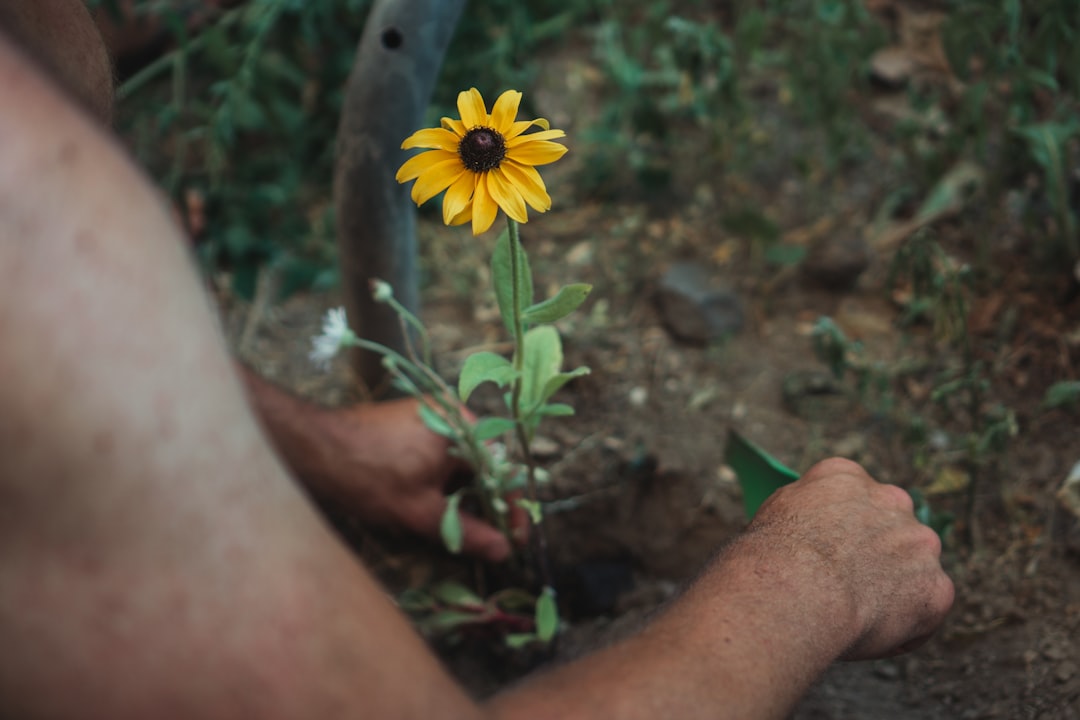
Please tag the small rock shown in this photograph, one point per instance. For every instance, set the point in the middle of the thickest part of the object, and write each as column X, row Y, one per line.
column 726, row 475
column 638, row 396
column 696, row 309
column 1065, row 671
column 580, row 254
column 543, row 447
column 1069, row 493
column 892, row 67
column 837, row 263
column 613, row 443
column 813, row 395
column 887, row 670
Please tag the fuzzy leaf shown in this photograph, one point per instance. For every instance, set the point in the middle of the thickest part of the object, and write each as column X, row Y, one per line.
column 492, row 427
column 516, row 641
column 555, row 410
column 501, row 277
column 436, row 423
column 542, row 360
column 553, row 384
column 547, row 615
column 1062, row 393
column 535, row 509
column 450, row 525
column 452, row 593
column 483, row 367
column 566, row 301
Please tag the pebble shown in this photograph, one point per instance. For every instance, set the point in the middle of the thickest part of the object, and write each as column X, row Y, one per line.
column 887, row 670
column 544, row 447
column 837, row 263
column 1065, row 671
column 696, row 309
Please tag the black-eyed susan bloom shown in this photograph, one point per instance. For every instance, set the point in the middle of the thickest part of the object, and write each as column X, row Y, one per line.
column 483, row 161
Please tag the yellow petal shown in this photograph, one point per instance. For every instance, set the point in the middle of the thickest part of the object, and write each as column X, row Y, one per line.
column 484, row 208
column 504, row 112
column 439, row 177
column 418, row 164
column 507, row 196
column 536, row 153
column 455, row 126
column 470, row 105
column 522, row 125
column 458, row 196
column 462, row 217
column 535, row 137
column 528, row 182
column 432, row 138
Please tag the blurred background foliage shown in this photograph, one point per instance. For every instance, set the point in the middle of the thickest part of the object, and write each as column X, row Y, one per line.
column 236, row 114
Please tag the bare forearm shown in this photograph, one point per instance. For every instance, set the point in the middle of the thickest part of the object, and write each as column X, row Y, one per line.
column 745, row 641
column 299, row 431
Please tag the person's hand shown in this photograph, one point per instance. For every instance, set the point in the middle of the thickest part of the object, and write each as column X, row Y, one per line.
column 384, row 464
column 868, row 542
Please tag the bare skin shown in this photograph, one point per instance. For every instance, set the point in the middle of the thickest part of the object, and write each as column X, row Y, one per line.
column 156, row 559
column 378, row 460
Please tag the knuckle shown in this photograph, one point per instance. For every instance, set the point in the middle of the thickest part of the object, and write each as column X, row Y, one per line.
column 931, row 540
column 945, row 594
column 837, row 466
column 894, row 496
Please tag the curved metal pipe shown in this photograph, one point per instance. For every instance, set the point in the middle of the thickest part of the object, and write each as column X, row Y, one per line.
column 390, row 87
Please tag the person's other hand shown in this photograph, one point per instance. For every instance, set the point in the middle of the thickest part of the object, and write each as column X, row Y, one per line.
column 872, row 549
column 384, row 464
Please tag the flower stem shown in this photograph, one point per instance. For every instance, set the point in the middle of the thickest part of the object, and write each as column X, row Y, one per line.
column 538, row 536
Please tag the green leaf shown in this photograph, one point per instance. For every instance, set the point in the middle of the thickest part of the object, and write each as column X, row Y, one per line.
column 547, row 615
column 452, row 593
column 951, row 192
column 759, row 474
column 566, row 301
column 484, row 367
column 535, row 509
column 785, row 255
column 542, row 360
column 450, row 525
column 492, row 427
column 1060, row 394
column 555, row 410
column 415, row 601
column 500, row 274
column 516, row 641
column 447, row 620
column 553, row 384
column 436, row 423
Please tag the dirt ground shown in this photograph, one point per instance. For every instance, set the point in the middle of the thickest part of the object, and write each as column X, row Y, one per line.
column 644, row 459
column 644, row 497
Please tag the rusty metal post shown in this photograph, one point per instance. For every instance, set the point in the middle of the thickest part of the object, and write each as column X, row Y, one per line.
column 397, row 63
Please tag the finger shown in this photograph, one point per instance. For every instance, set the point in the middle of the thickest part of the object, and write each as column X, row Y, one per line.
column 482, row 540
column 897, row 497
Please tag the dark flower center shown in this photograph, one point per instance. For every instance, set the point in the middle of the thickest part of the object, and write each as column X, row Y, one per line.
column 482, row 149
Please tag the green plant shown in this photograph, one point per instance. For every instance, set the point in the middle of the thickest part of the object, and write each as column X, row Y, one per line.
column 940, row 292
column 844, row 357
column 828, row 44
column 485, row 161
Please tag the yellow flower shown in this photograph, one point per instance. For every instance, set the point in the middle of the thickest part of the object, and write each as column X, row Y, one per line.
column 484, row 162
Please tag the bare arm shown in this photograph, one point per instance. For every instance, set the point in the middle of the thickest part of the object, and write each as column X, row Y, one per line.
column 378, row 460
column 833, row 566
column 156, row 560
